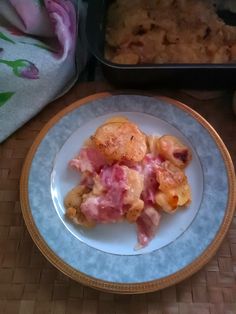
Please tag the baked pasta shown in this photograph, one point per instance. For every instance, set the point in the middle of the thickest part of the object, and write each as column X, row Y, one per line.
column 168, row 31
column 128, row 175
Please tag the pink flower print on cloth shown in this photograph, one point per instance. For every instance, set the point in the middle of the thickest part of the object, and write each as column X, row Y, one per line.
column 32, row 17
column 63, row 17
column 49, row 18
column 22, row 68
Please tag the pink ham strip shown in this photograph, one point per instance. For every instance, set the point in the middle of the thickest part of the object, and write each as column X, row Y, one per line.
column 150, row 165
column 147, row 225
column 109, row 206
column 89, row 159
column 101, row 209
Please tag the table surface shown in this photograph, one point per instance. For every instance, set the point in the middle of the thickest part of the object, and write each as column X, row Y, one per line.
column 30, row 284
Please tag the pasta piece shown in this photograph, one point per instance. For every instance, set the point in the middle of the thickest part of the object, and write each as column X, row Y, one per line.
column 169, row 176
column 83, row 221
column 135, row 183
column 167, row 202
column 135, row 211
column 174, row 150
column 73, row 198
column 71, row 212
column 170, row 200
column 98, row 187
column 184, row 194
column 78, row 217
column 152, row 144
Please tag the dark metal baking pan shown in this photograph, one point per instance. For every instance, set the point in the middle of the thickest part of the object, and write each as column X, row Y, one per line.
column 207, row 76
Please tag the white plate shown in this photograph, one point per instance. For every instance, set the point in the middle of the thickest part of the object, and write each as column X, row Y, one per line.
column 104, row 257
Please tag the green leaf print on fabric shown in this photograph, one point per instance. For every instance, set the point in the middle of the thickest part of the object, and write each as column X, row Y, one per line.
column 4, row 97
column 35, row 44
column 40, row 45
column 4, row 37
column 22, row 68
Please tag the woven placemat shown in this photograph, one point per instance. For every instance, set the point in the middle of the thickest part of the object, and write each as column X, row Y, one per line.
column 30, row 284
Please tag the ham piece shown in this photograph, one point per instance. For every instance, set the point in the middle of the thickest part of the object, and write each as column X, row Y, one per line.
column 107, row 207
column 147, row 225
column 150, row 166
column 89, row 159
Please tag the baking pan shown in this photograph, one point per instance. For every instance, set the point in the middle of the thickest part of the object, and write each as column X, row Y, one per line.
column 207, row 76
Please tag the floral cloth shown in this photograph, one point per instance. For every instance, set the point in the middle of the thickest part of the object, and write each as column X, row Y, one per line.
column 42, row 51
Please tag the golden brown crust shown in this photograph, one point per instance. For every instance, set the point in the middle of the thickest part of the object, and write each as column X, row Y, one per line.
column 167, row 201
column 74, row 197
column 172, row 149
column 120, row 141
column 168, row 31
column 152, row 144
column 135, row 211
